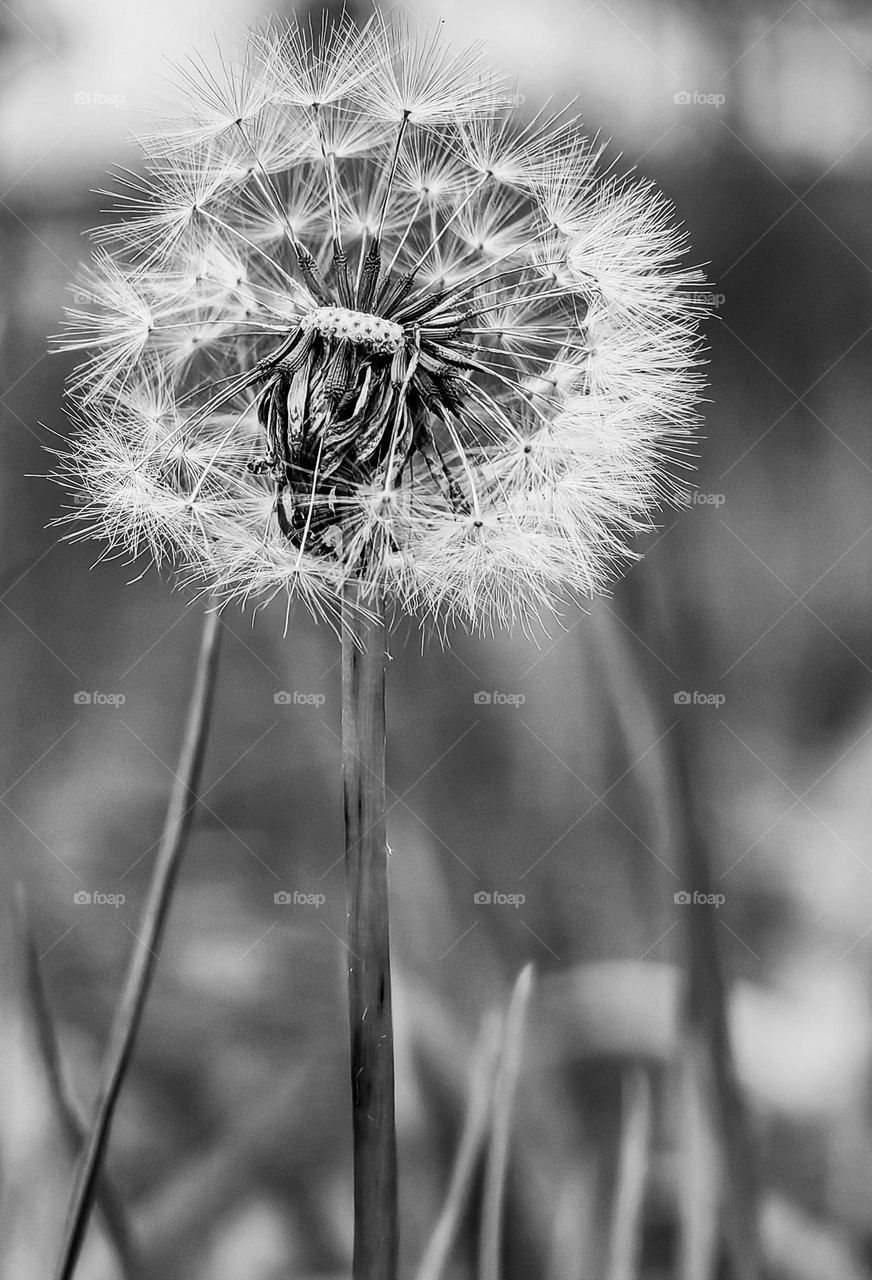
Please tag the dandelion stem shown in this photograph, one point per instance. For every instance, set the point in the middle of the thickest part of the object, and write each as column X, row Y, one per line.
column 369, row 973
column 140, row 971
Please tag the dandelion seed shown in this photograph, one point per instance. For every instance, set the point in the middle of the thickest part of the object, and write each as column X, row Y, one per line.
column 362, row 320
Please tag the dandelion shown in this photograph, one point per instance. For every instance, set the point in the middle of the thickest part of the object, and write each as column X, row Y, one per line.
column 362, row 334
column 388, row 323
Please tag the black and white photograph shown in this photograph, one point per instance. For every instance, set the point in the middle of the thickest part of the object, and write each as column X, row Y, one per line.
column 436, row 626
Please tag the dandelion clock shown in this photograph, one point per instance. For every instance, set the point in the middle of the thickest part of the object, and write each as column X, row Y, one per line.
column 361, row 320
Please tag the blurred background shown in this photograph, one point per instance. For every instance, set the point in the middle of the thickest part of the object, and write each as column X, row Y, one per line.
column 232, row 1146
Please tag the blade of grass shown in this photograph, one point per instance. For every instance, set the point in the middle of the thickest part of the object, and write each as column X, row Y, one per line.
column 497, row 1164
column 369, row 965
column 137, row 982
column 668, row 774
column 109, row 1202
column 705, row 1029
column 625, row 1245
column 476, row 1124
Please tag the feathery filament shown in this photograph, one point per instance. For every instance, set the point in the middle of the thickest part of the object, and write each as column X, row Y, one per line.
column 357, row 321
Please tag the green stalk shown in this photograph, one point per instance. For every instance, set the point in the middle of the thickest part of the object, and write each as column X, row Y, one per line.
column 369, row 965
column 128, row 1015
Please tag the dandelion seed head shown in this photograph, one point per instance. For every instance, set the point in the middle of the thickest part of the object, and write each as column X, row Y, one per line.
column 361, row 318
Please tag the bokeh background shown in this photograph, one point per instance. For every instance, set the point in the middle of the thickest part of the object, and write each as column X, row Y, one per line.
column 232, row 1145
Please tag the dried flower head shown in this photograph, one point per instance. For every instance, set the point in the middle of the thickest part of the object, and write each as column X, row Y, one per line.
column 358, row 322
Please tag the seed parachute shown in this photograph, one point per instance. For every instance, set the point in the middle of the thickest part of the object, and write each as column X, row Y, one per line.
column 359, row 317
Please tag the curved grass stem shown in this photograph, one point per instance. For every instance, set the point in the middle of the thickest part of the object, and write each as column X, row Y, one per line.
column 369, row 968
column 180, row 812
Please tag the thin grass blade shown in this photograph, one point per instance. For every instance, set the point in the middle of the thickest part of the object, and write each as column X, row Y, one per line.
column 109, row 1202
column 625, row 1245
column 476, row 1126
column 137, row 982
column 497, row 1165
column 669, row 775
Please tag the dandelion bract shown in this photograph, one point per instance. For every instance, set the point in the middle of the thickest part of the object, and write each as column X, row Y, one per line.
column 362, row 318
